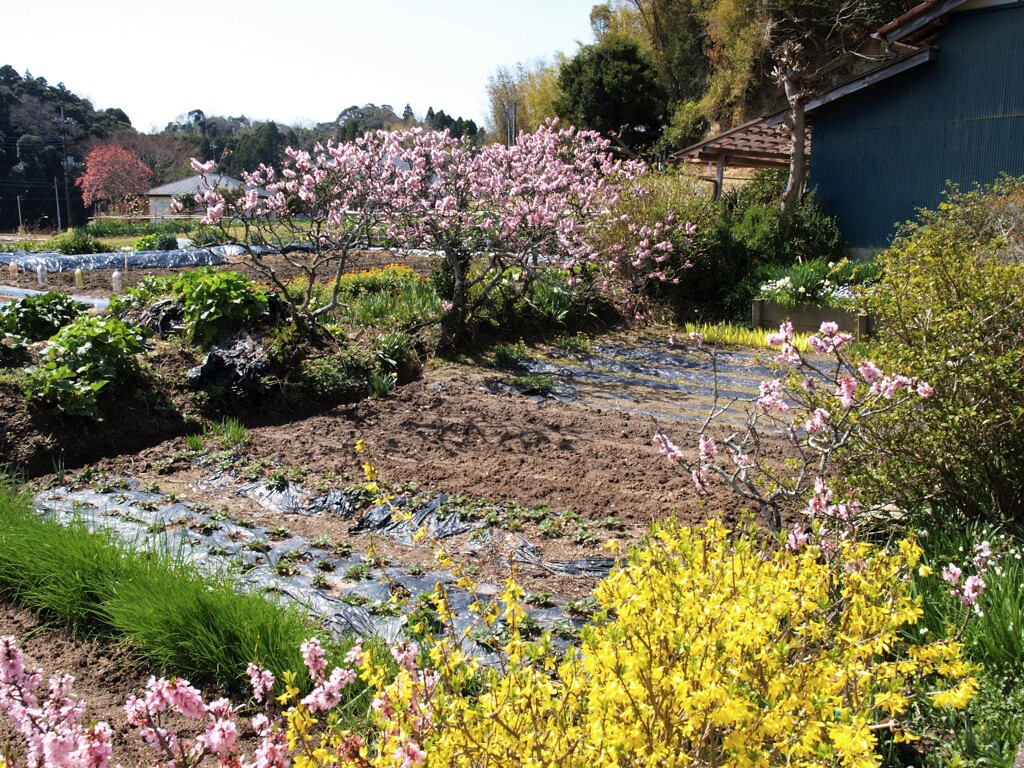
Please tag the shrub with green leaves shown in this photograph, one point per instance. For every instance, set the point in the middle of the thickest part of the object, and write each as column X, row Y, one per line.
column 78, row 241
column 216, row 303
column 82, row 359
column 158, row 241
column 949, row 301
column 38, row 317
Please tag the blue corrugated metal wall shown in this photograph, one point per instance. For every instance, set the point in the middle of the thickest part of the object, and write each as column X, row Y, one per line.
column 881, row 153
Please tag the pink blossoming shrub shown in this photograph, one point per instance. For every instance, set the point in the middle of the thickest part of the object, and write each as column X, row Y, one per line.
column 823, row 405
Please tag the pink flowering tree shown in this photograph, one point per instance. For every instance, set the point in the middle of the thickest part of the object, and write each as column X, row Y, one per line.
column 500, row 216
column 509, row 216
column 50, row 722
column 113, row 175
column 317, row 211
column 819, row 405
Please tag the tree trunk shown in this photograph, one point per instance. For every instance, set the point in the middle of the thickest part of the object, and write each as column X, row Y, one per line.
column 796, row 120
column 452, row 326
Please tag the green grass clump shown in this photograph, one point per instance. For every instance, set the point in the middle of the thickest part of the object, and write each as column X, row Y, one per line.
column 229, row 432
column 178, row 620
column 730, row 334
column 989, row 730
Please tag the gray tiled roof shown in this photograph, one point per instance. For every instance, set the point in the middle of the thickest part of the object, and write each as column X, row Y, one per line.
column 193, row 184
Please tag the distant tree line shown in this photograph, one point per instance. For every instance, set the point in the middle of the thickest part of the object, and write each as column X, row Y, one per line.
column 47, row 133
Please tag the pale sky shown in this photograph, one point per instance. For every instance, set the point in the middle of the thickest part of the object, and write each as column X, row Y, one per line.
column 290, row 61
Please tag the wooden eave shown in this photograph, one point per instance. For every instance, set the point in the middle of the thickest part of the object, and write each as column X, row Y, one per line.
column 917, row 26
column 760, row 143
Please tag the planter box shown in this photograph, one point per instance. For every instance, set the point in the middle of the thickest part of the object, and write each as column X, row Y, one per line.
column 768, row 315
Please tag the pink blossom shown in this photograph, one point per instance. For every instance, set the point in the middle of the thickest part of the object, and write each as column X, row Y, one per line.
column 830, row 340
column 828, row 328
column 314, row 658
column 742, row 460
column 770, row 396
column 355, row 654
column 817, row 422
column 888, row 386
column 700, row 479
column 783, row 336
column 410, row 755
column 869, row 371
column 846, row 391
column 262, row 681
column 202, row 168
column 972, row 589
column 220, row 736
column 667, row 448
column 326, row 694
column 405, row 654
column 797, row 539
column 924, row 390
column 982, row 554
column 951, row 574
column 708, row 449
column 697, row 337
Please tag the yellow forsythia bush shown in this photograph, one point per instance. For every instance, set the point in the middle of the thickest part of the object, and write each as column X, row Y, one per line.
column 711, row 650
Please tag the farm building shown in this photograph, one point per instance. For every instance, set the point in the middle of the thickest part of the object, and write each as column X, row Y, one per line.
column 160, row 197
column 948, row 106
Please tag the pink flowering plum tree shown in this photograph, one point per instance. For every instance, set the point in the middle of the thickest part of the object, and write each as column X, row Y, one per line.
column 510, row 215
column 821, row 405
column 498, row 216
column 318, row 210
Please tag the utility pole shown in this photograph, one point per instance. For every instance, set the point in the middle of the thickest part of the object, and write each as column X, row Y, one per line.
column 21, row 226
column 510, row 123
column 64, row 162
column 56, row 198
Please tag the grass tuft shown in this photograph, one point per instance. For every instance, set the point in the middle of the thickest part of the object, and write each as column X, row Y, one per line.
column 175, row 618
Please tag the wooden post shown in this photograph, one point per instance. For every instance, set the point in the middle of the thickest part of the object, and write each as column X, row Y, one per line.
column 757, row 314
column 863, row 327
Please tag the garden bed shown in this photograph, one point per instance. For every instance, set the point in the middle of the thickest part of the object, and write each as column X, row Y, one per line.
column 807, row 318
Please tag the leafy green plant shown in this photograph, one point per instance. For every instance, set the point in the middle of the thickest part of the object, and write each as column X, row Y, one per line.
column 357, row 572
column 392, row 349
column 83, row 358
column 39, row 317
column 218, row 303
column 534, row 384
column 158, row 241
column 577, row 344
column 78, row 241
column 510, row 355
column 229, row 431
column 948, row 304
column 381, row 384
